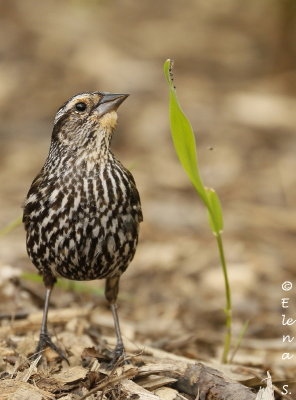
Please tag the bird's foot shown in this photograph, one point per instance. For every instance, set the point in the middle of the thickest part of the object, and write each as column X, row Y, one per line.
column 44, row 342
column 118, row 356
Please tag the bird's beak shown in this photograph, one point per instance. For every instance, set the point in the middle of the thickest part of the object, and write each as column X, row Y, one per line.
column 110, row 102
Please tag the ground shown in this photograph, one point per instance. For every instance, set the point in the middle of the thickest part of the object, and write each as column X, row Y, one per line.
column 236, row 83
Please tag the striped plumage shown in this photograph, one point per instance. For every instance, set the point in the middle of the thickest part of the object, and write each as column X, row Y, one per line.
column 82, row 212
column 82, row 224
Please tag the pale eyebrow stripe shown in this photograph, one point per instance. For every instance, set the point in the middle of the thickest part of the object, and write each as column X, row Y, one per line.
column 68, row 104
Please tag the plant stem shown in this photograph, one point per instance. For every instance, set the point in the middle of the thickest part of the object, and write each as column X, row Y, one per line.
column 8, row 228
column 228, row 308
column 239, row 340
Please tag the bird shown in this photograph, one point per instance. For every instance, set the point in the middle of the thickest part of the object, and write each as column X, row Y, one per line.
column 83, row 210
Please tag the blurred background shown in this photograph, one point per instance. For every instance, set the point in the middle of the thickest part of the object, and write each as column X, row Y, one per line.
column 235, row 72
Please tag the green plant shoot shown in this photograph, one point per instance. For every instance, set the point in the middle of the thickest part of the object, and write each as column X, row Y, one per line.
column 11, row 226
column 73, row 286
column 185, row 146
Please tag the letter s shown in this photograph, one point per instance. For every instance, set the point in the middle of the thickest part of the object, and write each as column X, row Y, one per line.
column 285, row 389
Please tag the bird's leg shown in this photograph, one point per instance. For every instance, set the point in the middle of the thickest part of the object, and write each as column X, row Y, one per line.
column 111, row 292
column 44, row 338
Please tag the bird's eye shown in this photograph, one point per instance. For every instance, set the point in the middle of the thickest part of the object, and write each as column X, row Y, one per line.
column 80, row 106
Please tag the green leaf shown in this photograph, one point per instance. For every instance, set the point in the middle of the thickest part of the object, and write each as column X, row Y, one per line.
column 214, row 211
column 183, row 136
column 31, row 276
column 79, row 287
column 185, row 146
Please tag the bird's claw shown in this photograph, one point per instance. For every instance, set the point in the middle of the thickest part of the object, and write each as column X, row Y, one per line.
column 118, row 356
column 45, row 341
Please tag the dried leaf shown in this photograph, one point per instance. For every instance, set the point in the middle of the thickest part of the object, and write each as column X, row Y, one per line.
column 71, row 374
column 16, row 390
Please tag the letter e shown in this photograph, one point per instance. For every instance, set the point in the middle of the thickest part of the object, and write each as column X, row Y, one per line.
column 285, row 301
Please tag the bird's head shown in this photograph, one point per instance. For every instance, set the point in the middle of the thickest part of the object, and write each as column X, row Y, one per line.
column 86, row 122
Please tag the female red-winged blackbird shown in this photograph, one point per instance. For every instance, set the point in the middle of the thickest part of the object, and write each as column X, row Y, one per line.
column 83, row 210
